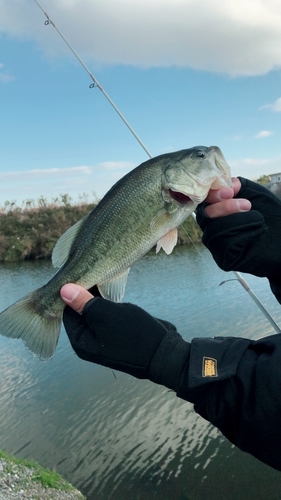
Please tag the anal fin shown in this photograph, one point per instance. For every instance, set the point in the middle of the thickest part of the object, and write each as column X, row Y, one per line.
column 114, row 289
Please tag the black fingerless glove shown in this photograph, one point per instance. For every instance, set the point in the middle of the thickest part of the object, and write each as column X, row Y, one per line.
column 124, row 337
column 250, row 241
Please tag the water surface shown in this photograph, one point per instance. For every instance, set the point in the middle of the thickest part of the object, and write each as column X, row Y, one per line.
column 122, row 438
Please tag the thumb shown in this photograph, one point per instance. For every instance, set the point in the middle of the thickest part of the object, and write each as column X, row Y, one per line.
column 75, row 296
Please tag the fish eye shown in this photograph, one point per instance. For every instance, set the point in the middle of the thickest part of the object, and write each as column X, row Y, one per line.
column 200, row 154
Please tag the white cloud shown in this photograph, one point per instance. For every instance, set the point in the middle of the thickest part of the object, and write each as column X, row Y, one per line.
column 253, row 168
column 116, row 165
column 263, row 133
column 49, row 172
column 238, row 37
column 5, row 77
column 51, row 183
column 275, row 106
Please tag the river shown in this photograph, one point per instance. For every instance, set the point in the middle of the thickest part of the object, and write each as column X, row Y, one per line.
column 118, row 438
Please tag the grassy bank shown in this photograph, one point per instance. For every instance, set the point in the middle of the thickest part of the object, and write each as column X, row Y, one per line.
column 26, row 479
column 31, row 231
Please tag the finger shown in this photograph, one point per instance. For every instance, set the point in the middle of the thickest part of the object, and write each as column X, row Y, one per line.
column 236, row 185
column 225, row 193
column 75, row 296
column 227, row 207
column 217, row 195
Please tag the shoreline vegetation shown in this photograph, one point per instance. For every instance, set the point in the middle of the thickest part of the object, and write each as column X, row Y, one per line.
column 31, row 231
column 26, row 479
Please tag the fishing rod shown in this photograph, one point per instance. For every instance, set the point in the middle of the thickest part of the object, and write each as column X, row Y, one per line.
column 95, row 83
column 252, row 294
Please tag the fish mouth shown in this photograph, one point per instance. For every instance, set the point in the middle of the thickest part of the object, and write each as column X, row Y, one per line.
column 180, row 197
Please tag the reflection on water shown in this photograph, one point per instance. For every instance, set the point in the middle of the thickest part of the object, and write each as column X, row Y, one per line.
column 121, row 438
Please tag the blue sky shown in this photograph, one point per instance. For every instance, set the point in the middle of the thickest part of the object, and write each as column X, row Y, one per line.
column 183, row 72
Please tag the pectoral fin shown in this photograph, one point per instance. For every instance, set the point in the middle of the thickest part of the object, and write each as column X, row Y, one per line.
column 160, row 220
column 168, row 241
column 63, row 245
column 114, row 289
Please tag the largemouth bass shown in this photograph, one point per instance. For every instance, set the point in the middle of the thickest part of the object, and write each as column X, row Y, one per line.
column 141, row 210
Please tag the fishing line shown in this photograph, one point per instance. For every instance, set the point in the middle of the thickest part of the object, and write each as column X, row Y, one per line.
column 95, row 83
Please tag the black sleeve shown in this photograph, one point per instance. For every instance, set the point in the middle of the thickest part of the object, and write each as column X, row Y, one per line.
column 235, row 384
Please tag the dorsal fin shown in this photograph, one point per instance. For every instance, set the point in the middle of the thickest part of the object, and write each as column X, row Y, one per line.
column 63, row 245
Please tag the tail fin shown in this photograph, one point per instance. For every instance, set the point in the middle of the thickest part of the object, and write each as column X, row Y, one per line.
column 38, row 330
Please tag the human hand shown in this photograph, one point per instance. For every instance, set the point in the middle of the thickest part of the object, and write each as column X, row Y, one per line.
column 247, row 240
column 123, row 337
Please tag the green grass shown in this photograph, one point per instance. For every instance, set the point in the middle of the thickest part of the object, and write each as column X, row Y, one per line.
column 31, row 231
column 48, row 478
